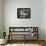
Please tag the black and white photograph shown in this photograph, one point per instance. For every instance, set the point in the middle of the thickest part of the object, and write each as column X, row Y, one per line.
column 23, row 13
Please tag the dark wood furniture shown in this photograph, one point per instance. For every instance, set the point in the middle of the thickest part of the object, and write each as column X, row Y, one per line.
column 23, row 33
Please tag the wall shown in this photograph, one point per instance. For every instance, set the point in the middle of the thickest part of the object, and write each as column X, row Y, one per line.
column 45, row 19
column 37, row 15
column 0, row 18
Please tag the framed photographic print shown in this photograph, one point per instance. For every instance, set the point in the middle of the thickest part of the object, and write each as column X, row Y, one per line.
column 23, row 12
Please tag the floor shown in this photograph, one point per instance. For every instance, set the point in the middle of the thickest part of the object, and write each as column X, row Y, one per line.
column 25, row 43
column 21, row 45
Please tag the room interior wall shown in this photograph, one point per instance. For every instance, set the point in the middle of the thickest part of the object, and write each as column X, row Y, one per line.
column 37, row 15
column 45, row 19
column 0, row 18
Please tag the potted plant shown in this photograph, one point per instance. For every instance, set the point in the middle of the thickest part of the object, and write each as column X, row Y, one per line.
column 2, row 37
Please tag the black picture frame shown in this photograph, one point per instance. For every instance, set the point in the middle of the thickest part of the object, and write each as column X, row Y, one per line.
column 23, row 13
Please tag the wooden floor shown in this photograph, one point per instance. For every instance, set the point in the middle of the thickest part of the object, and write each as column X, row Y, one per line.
column 40, row 42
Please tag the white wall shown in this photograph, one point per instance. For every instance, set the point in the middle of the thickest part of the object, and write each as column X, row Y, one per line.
column 45, row 19
column 0, row 12
column 0, row 18
column 37, row 15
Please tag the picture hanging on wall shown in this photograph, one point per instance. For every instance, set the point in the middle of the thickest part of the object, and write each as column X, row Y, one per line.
column 23, row 12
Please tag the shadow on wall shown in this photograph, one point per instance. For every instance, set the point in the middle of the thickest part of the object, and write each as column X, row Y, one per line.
column 1, row 34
